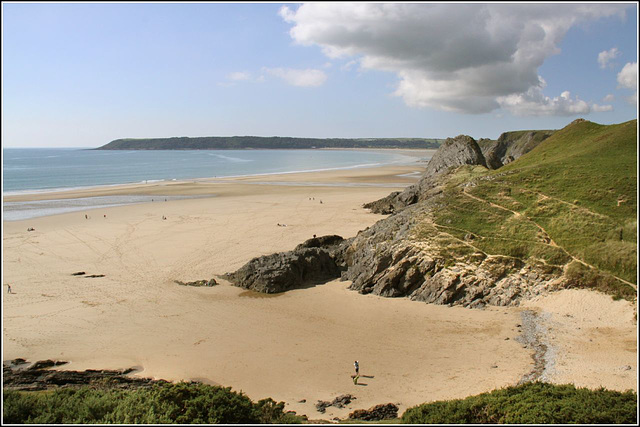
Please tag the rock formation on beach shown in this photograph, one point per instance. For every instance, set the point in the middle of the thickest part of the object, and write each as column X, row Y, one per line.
column 317, row 260
column 19, row 374
column 469, row 234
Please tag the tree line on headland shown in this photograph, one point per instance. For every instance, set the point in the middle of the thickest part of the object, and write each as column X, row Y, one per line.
column 259, row 142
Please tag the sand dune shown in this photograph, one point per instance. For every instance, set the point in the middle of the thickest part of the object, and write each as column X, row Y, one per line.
column 296, row 346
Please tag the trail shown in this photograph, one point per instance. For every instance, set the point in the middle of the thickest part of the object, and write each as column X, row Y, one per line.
column 551, row 241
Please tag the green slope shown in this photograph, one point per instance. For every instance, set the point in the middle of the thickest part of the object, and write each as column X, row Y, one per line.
column 569, row 203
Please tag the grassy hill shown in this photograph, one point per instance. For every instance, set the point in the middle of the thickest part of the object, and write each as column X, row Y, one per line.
column 570, row 203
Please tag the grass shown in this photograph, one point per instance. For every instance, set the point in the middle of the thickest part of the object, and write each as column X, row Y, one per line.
column 574, row 195
column 531, row 403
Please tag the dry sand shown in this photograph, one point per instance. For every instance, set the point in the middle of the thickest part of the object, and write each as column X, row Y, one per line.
column 296, row 346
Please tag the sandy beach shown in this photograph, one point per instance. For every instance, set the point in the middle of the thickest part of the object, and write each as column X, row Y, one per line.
column 299, row 346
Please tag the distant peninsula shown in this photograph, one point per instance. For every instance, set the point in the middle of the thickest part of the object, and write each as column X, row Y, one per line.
column 262, row 143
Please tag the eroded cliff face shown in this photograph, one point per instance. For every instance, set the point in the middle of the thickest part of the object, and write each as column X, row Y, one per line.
column 406, row 254
column 394, row 258
column 510, row 145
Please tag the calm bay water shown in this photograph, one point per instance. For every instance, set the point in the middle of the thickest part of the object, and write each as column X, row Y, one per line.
column 49, row 169
column 29, row 170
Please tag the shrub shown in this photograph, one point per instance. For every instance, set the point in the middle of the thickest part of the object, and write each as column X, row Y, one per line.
column 531, row 403
column 180, row 403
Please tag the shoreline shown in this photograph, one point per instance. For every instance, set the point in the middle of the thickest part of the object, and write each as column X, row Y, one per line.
column 416, row 153
column 299, row 345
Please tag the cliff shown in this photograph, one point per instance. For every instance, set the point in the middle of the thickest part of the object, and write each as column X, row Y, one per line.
column 459, row 151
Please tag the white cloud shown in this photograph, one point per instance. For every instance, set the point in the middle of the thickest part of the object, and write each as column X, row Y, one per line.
column 628, row 76
column 605, row 57
column 599, row 108
column 608, row 98
column 628, row 79
column 535, row 103
column 239, row 75
column 455, row 57
column 297, row 77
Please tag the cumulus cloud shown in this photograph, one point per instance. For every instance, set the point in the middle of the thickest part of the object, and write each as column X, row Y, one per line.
column 608, row 98
column 605, row 57
column 471, row 58
column 534, row 103
column 628, row 79
column 298, row 77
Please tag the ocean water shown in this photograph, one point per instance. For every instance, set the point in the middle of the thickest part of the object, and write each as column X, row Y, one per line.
column 37, row 170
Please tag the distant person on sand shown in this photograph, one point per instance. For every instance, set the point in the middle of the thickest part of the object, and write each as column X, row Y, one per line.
column 8, row 289
column 357, row 366
column 86, row 217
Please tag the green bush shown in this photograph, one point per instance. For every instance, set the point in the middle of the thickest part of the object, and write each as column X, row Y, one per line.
column 180, row 403
column 531, row 403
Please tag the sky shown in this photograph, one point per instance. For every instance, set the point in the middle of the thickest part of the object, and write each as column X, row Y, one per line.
column 84, row 74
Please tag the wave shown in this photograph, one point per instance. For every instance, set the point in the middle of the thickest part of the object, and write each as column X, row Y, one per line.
column 231, row 159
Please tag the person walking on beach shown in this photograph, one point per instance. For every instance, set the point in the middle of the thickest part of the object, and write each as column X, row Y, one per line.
column 8, row 289
column 357, row 375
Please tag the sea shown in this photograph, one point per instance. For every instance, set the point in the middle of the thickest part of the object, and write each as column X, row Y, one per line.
column 41, row 170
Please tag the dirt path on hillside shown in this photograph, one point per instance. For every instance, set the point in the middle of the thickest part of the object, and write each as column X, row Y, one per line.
column 547, row 235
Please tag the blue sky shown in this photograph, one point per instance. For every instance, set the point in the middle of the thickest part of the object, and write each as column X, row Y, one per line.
column 81, row 75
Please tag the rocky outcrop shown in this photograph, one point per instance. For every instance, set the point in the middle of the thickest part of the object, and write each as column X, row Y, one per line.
column 317, row 260
column 338, row 402
column 198, row 283
column 510, row 146
column 384, row 260
column 18, row 374
column 385, row 411
column 387, row 260
column 458, row 151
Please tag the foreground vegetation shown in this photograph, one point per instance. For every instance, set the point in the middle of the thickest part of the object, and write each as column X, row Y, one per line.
column 569, row 203
column 531, row 403
column 194, row 403
column 181, row 403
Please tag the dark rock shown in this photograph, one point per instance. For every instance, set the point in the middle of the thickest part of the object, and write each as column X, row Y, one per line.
column 325, row 242
column 338, row 402
column 377, row 413
column 79, row 273
column 40, row 377
column 283, row 271
column 94, row 276
column 44, row 364
column 208, row 283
